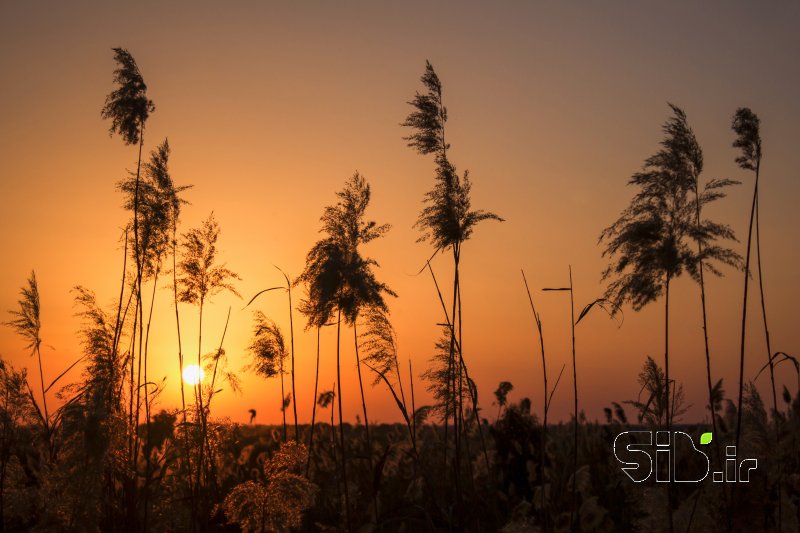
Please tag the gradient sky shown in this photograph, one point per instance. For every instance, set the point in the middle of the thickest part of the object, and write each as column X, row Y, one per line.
column 270, row 107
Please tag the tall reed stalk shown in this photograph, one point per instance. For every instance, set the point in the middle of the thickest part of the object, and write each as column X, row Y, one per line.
column 313, row 410
column 128, row 108
column 545, row 408
column 446, row 221
column 746, row 125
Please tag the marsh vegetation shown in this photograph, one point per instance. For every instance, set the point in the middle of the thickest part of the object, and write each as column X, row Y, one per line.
column 102, row 455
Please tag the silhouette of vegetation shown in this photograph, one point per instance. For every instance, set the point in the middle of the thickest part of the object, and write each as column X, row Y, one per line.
column 269, row 351
column 291, row 337
column 746, row 125
column 548, row 396
column 649, row 243
column 93, row 455
column 27, row 323
column 502, row 395
column 128, row 106
column 277, row 503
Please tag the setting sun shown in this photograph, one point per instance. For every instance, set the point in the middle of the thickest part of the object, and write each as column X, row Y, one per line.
column 193, row 374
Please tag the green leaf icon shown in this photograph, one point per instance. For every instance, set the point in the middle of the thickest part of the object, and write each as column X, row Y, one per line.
column 705, row 438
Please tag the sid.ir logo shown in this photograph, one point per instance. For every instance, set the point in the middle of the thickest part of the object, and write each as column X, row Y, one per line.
column 634, row 450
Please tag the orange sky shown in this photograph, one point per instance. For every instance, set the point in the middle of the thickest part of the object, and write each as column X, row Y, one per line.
column 269, row 108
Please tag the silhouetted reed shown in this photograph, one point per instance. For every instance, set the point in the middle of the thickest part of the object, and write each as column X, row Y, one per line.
column 288, row 289
column 746, row 125
column 268, row 350
column 200, row 279
column 338, row 278
column 447, row 219
column 27, row 323
column 128, row 108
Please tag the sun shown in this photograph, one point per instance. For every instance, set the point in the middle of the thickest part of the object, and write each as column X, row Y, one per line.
column 193, row 374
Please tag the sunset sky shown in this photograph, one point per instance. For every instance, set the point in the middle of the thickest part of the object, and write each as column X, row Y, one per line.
column 270, row 107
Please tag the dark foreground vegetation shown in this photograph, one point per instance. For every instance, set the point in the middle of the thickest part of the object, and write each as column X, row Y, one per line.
column 105, row 458
column 260, row 483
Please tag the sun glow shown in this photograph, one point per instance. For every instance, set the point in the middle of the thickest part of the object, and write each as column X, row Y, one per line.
column 193, row 374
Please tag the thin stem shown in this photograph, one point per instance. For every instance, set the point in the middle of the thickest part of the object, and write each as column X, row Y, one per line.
column 546, row 404
column 744, row 314
column 139, row 256
column 668, row 400
column 207, row 411
column 180, row 364
column 452, row 365
column 283, row 397
column 117, row 323
column 44, row 396
column 466, row 371
column 413, row 406
column 775, row 417
column 766, row 328
column 146, row 400
column 291, row 335
column 575, row 390
column 366, row 418
column 313, row 410
column 198, row 390
column 341, row 420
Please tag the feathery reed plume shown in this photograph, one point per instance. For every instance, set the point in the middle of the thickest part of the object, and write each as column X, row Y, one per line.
column 379, row 342
column 439, row 376
column 268, row 351
column 339, row 279
column 325, row 399
column 103, row 372
column 653, row 410
column 648, row 244
column 278, row 503
column 501, row 394
column 288, row 289
column 27, row 323
column 128, row 106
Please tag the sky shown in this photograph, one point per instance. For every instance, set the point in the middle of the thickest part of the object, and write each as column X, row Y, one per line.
column 270, row 107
